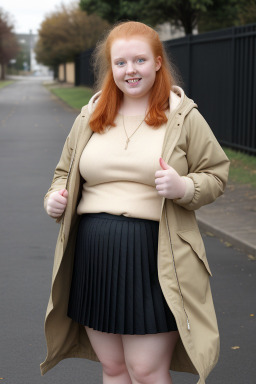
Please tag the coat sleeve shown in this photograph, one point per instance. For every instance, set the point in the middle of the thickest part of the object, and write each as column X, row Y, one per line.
column 207, row 163
column 62, row 169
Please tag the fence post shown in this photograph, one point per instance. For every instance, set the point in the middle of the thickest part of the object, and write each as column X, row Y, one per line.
column 77, row 70
column 233, row 89
column 189, row 86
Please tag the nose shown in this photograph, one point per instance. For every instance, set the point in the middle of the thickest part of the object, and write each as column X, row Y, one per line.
column 130, row 69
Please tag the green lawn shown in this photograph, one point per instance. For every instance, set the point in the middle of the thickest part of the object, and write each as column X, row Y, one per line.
column 75, row 97
column 242, row 167
column 4, row 83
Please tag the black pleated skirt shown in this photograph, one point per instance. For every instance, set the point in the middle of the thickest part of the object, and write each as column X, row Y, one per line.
column 115, row 285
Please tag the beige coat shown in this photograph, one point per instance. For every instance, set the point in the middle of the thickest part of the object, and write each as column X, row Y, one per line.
column 191, row 148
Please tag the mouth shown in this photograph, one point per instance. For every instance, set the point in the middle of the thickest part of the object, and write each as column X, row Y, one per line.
column 133, row 81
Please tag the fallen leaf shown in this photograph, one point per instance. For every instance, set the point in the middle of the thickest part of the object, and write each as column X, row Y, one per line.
column 236, row 347
column 209, row 234
column 252, row 314
column 251, row 257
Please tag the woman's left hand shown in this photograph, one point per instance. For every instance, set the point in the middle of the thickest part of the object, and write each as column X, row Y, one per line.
column 169, row 183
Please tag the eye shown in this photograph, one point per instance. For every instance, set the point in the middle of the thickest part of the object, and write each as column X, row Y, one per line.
column 120, row 63
column 141, row 60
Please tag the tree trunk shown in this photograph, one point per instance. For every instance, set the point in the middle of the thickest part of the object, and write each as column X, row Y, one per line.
column 188, row 29
column 55, row 72
column 65, row 72
column 187, row 16
column 2, row 71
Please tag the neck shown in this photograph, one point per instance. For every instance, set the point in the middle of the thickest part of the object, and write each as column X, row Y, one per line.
column 134, row 106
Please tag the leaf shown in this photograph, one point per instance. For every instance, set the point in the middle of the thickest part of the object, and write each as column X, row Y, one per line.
column 209, row 234
column 252, row 314
column 235, row 347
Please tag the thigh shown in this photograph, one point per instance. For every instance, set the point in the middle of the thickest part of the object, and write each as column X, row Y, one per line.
column 107, row 346
column 153, row 352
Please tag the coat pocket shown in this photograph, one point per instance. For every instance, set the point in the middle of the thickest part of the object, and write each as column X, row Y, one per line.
column 194, row 239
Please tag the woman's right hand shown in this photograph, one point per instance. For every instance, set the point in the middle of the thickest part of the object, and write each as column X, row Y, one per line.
column 56, row 203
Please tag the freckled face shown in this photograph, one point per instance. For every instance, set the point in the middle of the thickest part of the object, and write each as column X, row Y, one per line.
column 134, row 67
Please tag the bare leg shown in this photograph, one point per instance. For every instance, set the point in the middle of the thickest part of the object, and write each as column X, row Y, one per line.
column 148, row 357
column 109, row 349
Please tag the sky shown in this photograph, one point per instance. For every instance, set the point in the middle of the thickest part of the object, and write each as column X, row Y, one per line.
column 27, row 15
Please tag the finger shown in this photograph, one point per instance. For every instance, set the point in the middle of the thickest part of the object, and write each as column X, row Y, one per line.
column 59, row 198
column 163, row 164
column 159, row 187
column 55, row 215
column 162, row 193
column 160, row 181
column 55, row 210
column 160, row 174
column 63, row 192
column 56, row 205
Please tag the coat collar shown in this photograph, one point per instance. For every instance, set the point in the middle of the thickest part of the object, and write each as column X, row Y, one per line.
column 176, row 98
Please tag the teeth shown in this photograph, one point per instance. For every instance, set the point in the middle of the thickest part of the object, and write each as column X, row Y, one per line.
column 133, row 81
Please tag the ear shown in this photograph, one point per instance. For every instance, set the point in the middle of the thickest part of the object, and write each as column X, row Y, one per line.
column 158, row 63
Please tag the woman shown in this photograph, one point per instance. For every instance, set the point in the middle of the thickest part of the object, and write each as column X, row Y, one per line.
column 130, row 281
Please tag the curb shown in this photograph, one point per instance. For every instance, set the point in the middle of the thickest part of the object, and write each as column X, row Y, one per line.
column 242, row 245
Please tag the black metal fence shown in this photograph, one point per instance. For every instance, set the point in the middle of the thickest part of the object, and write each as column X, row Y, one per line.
column 83, row 69
column 218, row 70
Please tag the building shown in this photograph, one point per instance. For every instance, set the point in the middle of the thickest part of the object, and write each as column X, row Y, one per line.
column 26, row 62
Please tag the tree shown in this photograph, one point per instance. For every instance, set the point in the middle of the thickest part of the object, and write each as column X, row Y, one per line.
column 8, row 43
column 183, row 13
column 247, row 12
column 204, row 14
column 227, row 13
column 66, row 32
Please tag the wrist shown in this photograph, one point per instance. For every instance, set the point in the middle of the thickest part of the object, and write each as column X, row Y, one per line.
column 189, row 191
column 183, row 188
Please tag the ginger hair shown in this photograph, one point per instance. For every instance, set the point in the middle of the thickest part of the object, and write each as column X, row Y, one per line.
column 111, row 97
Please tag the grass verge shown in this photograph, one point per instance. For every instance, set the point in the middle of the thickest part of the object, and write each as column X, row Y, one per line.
column 4, row 83
column 242, row 167
column 75, row 97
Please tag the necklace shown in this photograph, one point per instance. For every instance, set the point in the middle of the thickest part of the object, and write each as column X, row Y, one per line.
column 129, row 137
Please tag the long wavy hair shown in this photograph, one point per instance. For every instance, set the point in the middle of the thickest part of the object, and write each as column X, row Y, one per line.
column 111, row 97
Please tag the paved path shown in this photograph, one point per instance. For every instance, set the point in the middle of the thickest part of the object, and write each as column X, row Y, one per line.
column 233, row 217
column 33, row 127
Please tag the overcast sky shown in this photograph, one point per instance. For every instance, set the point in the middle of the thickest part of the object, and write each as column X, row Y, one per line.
column 28, row 14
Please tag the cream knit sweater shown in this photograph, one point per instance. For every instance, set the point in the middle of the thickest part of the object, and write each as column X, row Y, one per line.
column 122, row 181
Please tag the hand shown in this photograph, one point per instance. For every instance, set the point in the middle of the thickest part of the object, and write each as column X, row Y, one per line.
column 169, row 183
column 56, row 203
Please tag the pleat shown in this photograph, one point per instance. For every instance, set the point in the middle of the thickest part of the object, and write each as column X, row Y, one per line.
column 129, row 294
column 148, row 283
column 115, row 285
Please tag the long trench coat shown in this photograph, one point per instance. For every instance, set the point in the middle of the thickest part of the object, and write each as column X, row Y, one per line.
column 189, row 147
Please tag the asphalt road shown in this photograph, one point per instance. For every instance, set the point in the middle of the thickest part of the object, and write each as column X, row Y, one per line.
column 33, row 127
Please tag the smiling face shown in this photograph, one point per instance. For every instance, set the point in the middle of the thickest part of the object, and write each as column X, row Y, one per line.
column 134, row 67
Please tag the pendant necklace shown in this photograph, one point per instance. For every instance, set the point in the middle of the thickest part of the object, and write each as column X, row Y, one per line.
column 129, row 137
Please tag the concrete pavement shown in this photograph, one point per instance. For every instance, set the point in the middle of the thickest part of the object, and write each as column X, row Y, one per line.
column 232, row 217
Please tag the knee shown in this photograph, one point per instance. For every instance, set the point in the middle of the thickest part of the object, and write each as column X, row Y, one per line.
column 142, row 372
column 113, row 368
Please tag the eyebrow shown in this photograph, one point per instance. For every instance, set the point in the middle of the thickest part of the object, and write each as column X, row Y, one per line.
column 122, row 58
